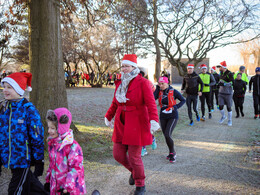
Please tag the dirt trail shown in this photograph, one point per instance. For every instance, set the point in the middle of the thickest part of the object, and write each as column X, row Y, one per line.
column 211, row 159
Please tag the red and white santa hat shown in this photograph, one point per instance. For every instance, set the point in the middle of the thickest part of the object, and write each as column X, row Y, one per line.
column 130, row 59
column 222, row 64
column 213, row 68
column 20, row 81
column 203, row 66
column 190, row 66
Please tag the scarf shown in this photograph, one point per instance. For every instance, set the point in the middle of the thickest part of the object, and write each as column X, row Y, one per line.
column 122, row 89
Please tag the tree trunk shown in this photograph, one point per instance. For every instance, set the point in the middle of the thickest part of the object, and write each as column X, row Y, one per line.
column 156, row 42
column 45, row 54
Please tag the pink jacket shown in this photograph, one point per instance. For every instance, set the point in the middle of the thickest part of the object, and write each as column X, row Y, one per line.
column 66, row 169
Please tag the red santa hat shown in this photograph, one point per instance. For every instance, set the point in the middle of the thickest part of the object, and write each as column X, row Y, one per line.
column 213, row 68
column 222, row 64
column 190, row 66
column 130, row 59
column 20, row 81
column 203, row 66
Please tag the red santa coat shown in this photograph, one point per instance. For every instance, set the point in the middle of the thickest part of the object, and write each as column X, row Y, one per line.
column 139, row 110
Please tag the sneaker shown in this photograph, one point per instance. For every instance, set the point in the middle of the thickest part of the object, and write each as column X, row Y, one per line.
column 237, row 116
column 222, row 119
column 203, row 118
column 210, row 115
column 144, row 152
column 95, row 192
column 229, row 123
column 191, row 123
column 218, row 107
column 198, row 117
column 171, row 154
column 140, row 190
column 154, row 144
column 212, row 110
column 131, row 180
column 255, row 117
column 242, row 114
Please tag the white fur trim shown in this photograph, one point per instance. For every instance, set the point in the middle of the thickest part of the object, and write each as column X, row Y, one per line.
column 29, row 88
column 204, row 67
column 190, row 66
column 128, row 62
column 14, row 84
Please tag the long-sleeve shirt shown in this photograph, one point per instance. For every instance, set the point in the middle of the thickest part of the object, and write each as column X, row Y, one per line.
column 191, row 84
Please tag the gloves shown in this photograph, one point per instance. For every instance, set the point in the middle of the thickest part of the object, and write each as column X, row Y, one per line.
column 62, row 193
column 39, row 166
column 228, row 84
column 109, row 123
column 154, row 126
column 47, row 187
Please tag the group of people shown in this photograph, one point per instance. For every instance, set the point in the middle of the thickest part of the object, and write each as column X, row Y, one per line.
column 224, row 86
column 136, row 119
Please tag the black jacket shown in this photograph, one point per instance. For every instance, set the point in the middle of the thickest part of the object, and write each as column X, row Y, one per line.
column 191, row 83
column 256, row 84
column 239, row 87
column 216, row 77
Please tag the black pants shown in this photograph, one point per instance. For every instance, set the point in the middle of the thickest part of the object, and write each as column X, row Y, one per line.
column 239, row 101
column 212, row 94
column 256, row 99
column 203, row 97
column 23, row 182
column 192, row 99
column 167, row 126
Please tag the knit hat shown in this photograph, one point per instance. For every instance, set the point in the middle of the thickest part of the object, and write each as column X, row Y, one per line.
column 190, row 66
column 20, row 81
column 163, row 80
column 257, row 69
column 62, row 118
column 130, row 59
column 203, row 66
column 222, row 64
column 241, row 68
column 213, row 68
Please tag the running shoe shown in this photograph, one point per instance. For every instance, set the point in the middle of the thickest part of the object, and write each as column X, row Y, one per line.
column 210, row 116
column 222, row 119
column 198, row 117
column 242, row 114
column 191, row 123
column 218, row 107
column 144, row 152
column 255, row 117
column 171, row 154
column 212, row 110
column 140, row 190
column 230, row 123
column 154, row 144
column 203, row 118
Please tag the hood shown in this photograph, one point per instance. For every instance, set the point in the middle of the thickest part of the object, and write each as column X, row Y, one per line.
column 64, row 120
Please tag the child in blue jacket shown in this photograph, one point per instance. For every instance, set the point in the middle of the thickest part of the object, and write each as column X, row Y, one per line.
column 21, row 136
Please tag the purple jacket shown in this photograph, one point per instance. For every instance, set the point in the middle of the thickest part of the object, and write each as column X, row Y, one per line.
column 66, row 168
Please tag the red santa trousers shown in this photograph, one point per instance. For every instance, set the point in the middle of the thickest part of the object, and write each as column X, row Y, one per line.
column 130, row 157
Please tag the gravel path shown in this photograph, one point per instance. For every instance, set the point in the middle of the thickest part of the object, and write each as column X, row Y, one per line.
column 211, row 158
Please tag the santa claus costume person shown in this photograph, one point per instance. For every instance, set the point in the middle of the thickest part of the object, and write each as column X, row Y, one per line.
column 136, row 117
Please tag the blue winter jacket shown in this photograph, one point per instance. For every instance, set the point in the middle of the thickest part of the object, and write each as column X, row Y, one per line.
column 21, row 135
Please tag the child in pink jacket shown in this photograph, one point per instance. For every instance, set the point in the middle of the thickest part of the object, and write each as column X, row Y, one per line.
column 65, row 174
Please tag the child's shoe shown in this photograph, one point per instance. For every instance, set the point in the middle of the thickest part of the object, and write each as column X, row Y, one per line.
column 144, row 151
column 154, row 144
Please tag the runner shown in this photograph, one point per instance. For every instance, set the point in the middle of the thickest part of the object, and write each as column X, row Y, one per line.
column 191, row 83
column 136, row 117
column 225, row 92
column 255, row 80
column 208, row 81
column 242, row 70
column 239, row 94
column 214, row 88
column 169, row 112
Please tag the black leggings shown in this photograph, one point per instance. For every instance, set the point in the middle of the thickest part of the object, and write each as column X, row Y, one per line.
column 203, row 97
column 167, row 126
column 256, row 99
column 214, row 92
column 239, row 101
column 192, row 99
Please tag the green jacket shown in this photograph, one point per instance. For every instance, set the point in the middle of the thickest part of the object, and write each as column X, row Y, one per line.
column 244, row 77
column 208, row 80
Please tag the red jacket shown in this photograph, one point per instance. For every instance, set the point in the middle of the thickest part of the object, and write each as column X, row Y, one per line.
column 140, row 109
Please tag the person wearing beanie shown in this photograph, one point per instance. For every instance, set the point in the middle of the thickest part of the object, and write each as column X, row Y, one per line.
column 255, row 80
column 239, row 94
column 214, row 89
column 242, row 70
column 21, row 136
column 136, row 118
column 167, row 96
column 225, row 92
column 65, row 174
column 208, row 81
column 190, row 84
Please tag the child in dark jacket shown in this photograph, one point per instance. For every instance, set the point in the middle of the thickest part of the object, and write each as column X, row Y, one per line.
column 21, row 136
